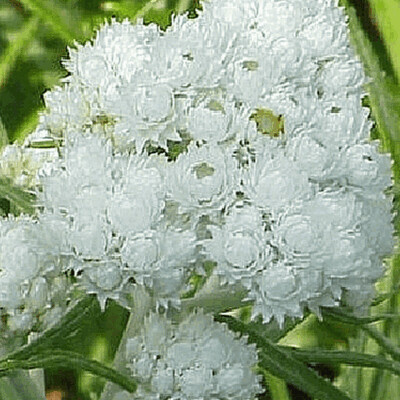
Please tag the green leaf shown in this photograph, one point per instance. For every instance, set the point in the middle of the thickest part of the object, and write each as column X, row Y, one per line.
column 334, row 357
column 68, row 359
column 277, row 387
column 19, row 198
column 381, row 297
column 46, row 352
column 387, row 14
column 284, row 365
column 385, row 344
column 349, row 318
column 28, row 125
column 132, row 10
column 183, row 5
column 57, row 334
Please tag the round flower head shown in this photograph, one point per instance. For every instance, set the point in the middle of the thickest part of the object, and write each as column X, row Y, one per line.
column 198, row 358
column 166, row 134
column 239, row 245
column 203, row 177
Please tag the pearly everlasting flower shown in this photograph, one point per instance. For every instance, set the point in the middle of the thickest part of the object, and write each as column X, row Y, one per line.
column 160, row 260
column 239, row 138
column 198, row 358
column 204, row 177
column 274, row 182
column 240, row 245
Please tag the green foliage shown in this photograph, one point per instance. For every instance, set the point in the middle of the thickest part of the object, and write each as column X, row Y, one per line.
column 49, row 350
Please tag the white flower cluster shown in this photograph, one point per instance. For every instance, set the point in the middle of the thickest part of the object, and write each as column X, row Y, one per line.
column 237, row 137
column 198, row 359
column 32, row 290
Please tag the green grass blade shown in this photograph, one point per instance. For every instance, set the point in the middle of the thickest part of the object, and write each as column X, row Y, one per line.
column 334, row 357
column 387, row 14
column 68, row 359
column 383, row 90
column 51, row 14
column 16, row 48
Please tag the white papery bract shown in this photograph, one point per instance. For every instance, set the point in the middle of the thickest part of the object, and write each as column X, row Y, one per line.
column 161, row 260
column 199, row 358
column 274, row 183
column 238, row 138
column 240, row 245
column 204, row 177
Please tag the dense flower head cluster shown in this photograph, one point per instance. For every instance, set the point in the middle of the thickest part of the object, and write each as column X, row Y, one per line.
column 237, row 137
column 198, row 358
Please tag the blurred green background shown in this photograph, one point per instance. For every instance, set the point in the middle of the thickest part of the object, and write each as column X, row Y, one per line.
column 34, row 35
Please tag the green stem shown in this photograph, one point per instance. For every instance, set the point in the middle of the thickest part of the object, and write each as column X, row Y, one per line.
column 68, row 359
